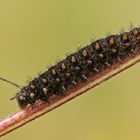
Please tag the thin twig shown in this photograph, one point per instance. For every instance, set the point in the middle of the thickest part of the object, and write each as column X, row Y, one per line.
column 30, row 113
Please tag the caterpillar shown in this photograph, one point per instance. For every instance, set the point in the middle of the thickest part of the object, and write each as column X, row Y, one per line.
column 78, row 67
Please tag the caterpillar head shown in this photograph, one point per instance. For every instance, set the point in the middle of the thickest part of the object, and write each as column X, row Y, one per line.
column 21, row 99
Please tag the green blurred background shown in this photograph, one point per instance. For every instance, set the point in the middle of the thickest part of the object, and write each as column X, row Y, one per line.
column 34, row 33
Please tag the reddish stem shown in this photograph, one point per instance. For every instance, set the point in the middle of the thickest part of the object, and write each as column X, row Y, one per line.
column 29, row 113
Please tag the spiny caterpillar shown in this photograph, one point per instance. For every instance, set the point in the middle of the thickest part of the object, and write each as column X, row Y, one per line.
column 79, row 67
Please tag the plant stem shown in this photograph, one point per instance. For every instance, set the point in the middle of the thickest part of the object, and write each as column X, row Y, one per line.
column 30, row 113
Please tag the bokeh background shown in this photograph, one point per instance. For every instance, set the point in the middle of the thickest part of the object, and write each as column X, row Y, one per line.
column 34, row 33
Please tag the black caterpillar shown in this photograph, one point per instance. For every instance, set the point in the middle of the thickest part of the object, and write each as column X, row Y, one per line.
column 79, row 66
